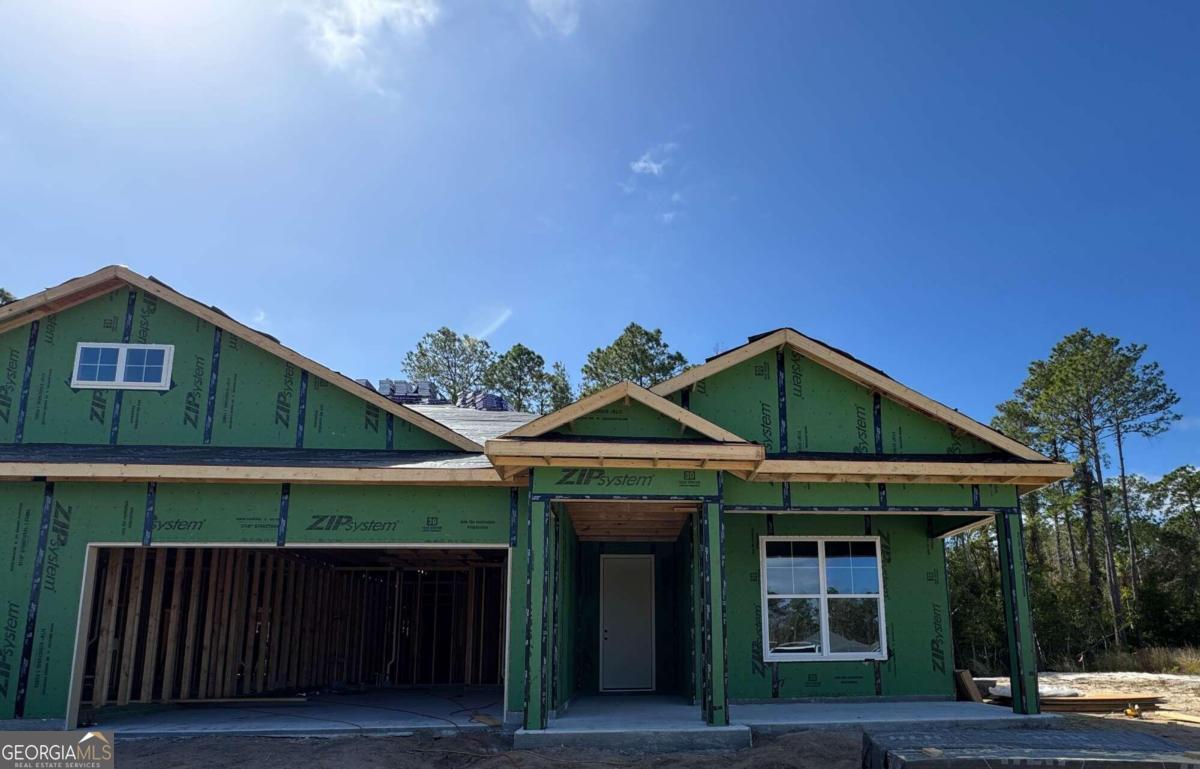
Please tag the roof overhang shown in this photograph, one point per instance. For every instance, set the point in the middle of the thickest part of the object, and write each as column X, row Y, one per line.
column 512, row 455
column 1028, row 476
column 855, row 371
column 747, row 461
column 359, row 476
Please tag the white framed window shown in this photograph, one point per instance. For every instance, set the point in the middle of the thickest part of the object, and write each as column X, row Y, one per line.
column 822, row 599
column 114, row 365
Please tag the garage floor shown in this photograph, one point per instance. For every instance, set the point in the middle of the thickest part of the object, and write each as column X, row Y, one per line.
column 392, row 711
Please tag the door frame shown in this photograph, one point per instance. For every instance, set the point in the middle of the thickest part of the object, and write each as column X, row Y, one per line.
column 653, row 618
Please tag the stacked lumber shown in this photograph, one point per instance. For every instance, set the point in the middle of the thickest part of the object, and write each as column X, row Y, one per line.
column 1097, row 702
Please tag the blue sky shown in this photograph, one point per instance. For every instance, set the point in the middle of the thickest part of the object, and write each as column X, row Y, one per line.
column 943, row 189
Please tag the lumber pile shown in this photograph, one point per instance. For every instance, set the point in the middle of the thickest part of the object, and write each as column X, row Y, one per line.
column 1097, row 702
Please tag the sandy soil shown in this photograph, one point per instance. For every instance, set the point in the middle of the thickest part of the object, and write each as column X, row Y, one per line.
column 1181, row 693
column 801, row 750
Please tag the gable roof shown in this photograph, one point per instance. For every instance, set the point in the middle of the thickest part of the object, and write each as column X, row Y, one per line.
column 79, row 290
column 627, row 391
column 855, row 370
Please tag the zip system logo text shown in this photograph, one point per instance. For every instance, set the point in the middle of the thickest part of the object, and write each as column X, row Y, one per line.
column 603, row 479
column 348, row 523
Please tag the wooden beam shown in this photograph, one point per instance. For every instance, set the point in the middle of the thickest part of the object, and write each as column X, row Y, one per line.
column 170, row 652
column 150, row 656
column 108, row 622
column 133, row 621
column 190, row 641
column 903, row 471
column 390, row 476
column 58, row 298
column 502, row 451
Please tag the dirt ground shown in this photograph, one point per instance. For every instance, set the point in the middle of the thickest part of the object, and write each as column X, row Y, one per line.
column 800, row 750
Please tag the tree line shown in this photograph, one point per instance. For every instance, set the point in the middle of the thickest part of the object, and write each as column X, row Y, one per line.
column 459, row 363
column 1112, row 558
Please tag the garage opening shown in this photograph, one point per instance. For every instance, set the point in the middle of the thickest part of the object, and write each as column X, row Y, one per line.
column 206, row 624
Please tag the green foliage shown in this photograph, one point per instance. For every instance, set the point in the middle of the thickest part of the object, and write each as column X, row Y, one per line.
column 1081, row 405
column 559, row 393
column 1070, row 635
column 519, row 377
column 456, row 364
column 638, row 354
column 1181, row 660
column 6, row 297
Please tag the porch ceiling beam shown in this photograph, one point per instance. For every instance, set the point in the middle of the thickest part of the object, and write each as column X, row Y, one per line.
column 899, row 471
column 900, row 467
column 1026, row 484
column 507, row 451
column 634, row 463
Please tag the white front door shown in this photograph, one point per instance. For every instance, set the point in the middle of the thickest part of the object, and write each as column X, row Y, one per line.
column 626, row 622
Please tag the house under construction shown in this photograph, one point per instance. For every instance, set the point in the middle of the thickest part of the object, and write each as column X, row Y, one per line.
column 195, row 512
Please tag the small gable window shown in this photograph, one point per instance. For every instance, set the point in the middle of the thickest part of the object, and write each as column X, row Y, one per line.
column 122, row 366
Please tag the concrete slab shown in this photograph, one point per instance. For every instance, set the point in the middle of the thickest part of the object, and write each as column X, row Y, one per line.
column 781, row 717
column 392, row 712
column 985, row 748
column 634, row 722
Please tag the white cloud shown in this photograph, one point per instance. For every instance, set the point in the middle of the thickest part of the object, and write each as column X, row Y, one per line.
column 558, row 17
column 493, row 325
column 667, row 217
column 654, row 161
column 346, row 34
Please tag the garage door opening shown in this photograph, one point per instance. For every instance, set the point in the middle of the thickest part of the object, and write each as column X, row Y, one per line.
column 181, row 625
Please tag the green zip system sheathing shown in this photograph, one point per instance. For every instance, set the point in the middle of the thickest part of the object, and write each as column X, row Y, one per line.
column 627, row 420
column 536, row 695
column 916, row 607
column 52, row 524
column 224, row 391
column 1014, row 587
column 867, row 497
column 793, row 405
